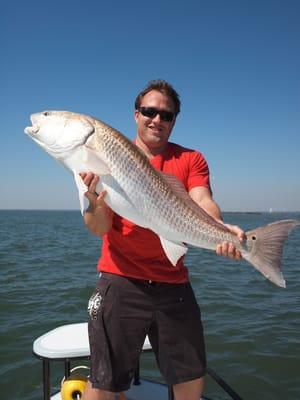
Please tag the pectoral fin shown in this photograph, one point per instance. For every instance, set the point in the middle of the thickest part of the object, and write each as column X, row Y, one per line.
column 81, row 191
column 174, row 251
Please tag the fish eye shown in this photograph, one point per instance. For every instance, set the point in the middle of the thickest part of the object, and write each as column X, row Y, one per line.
column 46, row 113
column 253, row 237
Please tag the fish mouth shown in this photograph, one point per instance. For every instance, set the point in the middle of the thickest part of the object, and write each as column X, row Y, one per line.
column 32, row 130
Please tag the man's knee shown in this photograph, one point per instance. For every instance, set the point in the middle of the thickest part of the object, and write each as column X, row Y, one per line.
column 191, row 390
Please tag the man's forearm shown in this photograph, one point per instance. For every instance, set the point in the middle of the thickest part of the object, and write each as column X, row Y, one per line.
column 212, row 208
column 98, row 220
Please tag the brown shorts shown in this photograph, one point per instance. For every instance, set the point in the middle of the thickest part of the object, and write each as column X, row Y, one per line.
column 123, row 311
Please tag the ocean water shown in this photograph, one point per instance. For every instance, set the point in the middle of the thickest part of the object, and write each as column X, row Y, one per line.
column 47, row 270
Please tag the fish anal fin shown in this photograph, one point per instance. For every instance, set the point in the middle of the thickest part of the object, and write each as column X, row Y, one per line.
column 174, row 251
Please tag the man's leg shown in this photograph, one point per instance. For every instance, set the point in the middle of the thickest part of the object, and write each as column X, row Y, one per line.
column 96, row 394
column 191, row 390
column 99, row 394
column 177, row 339
column 117, row 330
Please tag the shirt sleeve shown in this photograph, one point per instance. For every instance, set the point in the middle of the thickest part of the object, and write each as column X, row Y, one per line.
column 198, row 171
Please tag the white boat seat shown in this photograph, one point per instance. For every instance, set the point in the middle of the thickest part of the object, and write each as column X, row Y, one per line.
column 67, row 342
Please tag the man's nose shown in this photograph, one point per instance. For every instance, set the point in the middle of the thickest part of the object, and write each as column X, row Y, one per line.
column 156, row 118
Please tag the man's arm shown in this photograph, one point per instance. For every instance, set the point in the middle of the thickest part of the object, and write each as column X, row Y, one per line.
column 202, row 196
column 98, row 216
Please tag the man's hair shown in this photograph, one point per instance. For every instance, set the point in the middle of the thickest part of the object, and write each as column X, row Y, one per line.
column 162, row 87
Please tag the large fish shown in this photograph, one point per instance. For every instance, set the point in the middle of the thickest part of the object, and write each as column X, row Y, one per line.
column 147, row 197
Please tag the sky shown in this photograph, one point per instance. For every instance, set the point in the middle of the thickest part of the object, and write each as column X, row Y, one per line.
column 234, row 63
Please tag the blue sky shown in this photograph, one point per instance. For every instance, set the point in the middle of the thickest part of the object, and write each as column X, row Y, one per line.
column 234, row 63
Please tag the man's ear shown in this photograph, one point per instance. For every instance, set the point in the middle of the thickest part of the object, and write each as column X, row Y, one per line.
column 136, row 115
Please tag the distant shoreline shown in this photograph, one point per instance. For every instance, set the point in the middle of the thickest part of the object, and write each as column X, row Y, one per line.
column 77, row 210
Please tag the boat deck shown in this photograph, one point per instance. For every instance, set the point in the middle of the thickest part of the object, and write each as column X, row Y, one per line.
column 147, row 390
column 70, row 343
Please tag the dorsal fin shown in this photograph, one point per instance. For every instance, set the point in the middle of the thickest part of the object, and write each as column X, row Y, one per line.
column 181, row 192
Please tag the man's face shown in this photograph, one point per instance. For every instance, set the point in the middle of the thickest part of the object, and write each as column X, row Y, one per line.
column 154, row 132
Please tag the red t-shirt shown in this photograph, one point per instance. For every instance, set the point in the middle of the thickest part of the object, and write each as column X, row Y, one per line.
column 136, row 252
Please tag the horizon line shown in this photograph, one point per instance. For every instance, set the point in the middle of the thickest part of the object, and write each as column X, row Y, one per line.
column 223, row 211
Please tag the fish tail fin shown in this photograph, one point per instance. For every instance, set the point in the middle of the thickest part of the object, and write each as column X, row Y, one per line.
column 265, row 247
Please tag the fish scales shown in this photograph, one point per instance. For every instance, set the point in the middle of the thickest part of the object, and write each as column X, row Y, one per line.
column 152, row 195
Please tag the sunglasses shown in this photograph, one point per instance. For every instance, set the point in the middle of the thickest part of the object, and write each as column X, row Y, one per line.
column 151, row 112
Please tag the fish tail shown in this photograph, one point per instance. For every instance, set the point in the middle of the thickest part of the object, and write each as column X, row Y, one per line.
column 265, row 247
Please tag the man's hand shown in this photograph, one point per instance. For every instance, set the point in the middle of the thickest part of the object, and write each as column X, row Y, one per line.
column 228, row 249
column 91, row 180
column 202, row 196
column 98, row 216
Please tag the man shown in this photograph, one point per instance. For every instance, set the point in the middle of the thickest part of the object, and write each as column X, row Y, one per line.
column 139, row 291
